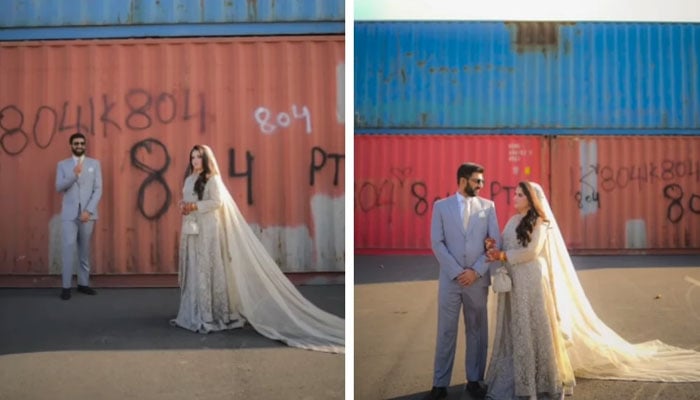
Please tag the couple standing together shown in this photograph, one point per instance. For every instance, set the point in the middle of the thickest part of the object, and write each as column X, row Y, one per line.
column 226, row 276
column 461, row 225
column 546, row 331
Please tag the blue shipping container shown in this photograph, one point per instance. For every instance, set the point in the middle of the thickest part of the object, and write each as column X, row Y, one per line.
column 29, row 19
column 523, row 77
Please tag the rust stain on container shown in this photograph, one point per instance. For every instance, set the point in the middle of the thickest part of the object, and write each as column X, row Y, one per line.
column 536, row 36
column 399, row 177
column 267, row 106
column 628, row 194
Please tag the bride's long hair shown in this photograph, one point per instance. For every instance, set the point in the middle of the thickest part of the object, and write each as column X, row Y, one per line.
column 527, row 224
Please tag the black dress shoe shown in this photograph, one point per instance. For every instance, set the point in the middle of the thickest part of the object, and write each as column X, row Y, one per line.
column 476, row 390
column 87, row 290
column 65, row 294
column 436, row 393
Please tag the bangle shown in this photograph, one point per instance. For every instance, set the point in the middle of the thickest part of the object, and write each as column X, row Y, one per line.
column 503, row 256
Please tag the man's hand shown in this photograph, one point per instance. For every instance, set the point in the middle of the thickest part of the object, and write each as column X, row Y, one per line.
column 467, row 277
column 85, row 216
column 78, row 168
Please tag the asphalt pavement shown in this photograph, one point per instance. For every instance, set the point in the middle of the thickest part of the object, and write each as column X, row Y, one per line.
column 119, row 345
column 640, row 297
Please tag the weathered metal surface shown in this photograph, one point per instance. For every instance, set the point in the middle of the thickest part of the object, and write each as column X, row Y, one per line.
column 523, row 77
column 399, row 177
column 271, row 108
column 627, row 194
column 111, row 19
column 46, row 13
column 610, row 195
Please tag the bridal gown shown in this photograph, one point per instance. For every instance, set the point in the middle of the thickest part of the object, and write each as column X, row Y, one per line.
column 228, row 279
column 204, row 302
column 529, row 359
column 546, row 331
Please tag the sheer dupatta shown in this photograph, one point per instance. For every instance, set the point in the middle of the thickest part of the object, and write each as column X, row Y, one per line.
column 595, row 350
column 260, row 292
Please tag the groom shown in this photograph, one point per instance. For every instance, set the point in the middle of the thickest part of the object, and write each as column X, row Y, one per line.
column 460, row 225
column 79, row 178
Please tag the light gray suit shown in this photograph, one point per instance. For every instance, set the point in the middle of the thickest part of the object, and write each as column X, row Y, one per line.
column 455, row 251
column 79, row 194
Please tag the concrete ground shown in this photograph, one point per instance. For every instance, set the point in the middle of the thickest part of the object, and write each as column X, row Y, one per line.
column 119, row 345
column 395, row 321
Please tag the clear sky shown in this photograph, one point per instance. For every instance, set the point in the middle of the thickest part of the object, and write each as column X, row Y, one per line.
column 529, row 10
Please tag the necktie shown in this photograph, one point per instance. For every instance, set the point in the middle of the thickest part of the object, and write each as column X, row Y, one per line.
column 467, row 212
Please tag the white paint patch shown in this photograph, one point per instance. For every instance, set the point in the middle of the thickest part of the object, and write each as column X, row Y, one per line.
column 295, row 250
column 635, row 234
column 329, row 229
column 340, row 90
column 291, row 248
column 589, row 184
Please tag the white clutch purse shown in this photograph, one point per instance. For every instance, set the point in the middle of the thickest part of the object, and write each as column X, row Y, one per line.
column 501, row 281
column 189, row 226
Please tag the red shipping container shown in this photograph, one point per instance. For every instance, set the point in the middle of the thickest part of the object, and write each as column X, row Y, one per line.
column 399, row 177
column 627, row 194
column 271, row 108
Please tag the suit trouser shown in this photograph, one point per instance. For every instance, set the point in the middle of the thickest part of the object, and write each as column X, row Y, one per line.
column 472, row 301
column 76, row 234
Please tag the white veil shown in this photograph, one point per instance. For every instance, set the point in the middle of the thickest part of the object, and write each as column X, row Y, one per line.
column 595, row 350
column 260, row 292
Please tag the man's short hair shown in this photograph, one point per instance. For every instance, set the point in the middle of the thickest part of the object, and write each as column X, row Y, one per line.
column 76, row 135
column 467, row 169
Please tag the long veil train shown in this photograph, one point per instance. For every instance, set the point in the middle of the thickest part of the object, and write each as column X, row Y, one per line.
column 595, row 350
column 263, row 295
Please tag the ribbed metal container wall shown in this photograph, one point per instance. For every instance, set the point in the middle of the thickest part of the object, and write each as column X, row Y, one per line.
column 45, row 13
column 627, row 194
column 619, row 78
column 399, row 177
column 271, row 108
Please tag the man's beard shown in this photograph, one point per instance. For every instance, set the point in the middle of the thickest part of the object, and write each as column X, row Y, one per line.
column 78, row 152
column 470, row 191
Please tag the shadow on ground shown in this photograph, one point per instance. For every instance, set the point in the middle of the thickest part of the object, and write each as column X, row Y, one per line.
column 405, row 268
column 36, row 320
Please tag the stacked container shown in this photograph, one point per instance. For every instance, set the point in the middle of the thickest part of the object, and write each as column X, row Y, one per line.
column 606, row 116
column 261, row 83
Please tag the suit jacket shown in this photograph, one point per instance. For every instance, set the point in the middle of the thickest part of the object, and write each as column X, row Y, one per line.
column 79, row 193
column 456, row 249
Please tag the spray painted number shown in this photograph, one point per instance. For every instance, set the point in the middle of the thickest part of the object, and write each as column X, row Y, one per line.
column 269, row 122
column 145, row 108
column 674, row 192
column 13, row 139
column 155, row 176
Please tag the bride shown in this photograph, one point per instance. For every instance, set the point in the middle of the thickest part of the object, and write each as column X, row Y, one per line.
column 546, row 330
column 227, row 277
